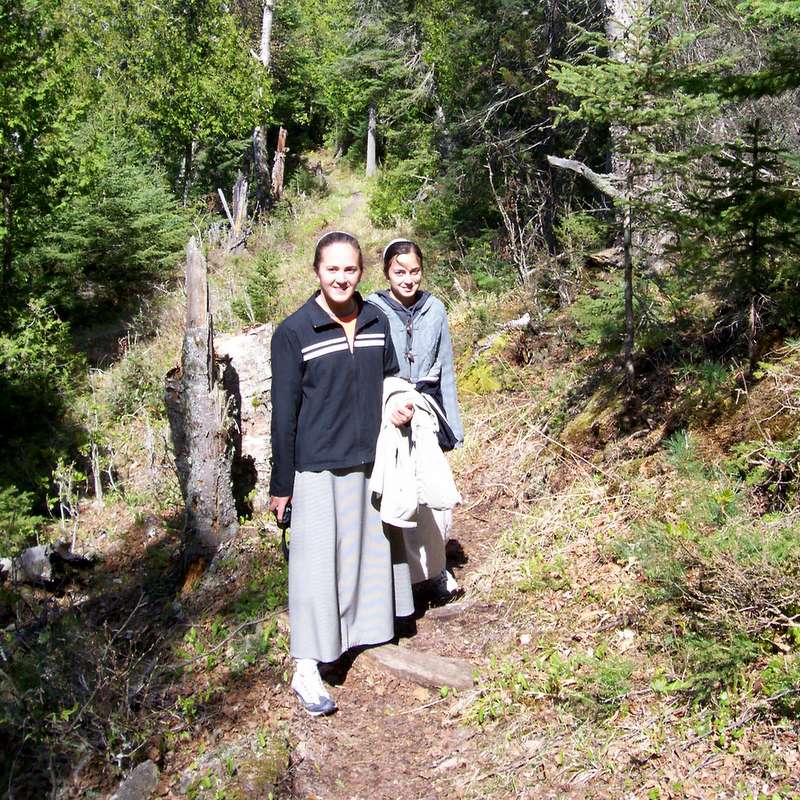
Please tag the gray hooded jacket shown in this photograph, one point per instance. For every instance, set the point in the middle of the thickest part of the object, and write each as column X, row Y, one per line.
column 422, row 342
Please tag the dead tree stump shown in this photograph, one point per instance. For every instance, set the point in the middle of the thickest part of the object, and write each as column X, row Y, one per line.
column 278, row 165
column 200, row 423
column 261, row 168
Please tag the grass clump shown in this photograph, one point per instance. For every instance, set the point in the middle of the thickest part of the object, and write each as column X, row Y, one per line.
column 728, row 582
column 590, row 684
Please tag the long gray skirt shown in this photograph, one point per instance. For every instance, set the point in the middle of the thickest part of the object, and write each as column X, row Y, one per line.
column 348, row 577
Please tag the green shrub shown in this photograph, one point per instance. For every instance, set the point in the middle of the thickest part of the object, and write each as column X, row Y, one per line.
column 780, row 680
column 490, row 272
column 602, row 681
column 39, row 376
column 599, row 316
column 706, row 386
column 717, row 662
column 138, row 383
column 400, row 188
column 261, row 300
column 728, row 581
column 17, row 522
column 772, row 468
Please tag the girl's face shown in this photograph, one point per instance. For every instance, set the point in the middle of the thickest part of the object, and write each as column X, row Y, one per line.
column 338, row 275
column 405, row 276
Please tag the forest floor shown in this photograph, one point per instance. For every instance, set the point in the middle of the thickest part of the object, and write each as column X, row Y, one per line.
column 577, row 693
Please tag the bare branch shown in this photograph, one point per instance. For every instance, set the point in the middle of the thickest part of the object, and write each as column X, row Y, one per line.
column 602, row 183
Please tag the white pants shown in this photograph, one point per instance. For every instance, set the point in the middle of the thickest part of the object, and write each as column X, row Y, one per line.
column 425, row 543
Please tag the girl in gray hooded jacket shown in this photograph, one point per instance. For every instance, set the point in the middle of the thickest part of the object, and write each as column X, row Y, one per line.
column 418, row 323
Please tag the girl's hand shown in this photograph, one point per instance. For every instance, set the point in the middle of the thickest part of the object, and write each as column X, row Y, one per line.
column 402, row 415
column 278, row 505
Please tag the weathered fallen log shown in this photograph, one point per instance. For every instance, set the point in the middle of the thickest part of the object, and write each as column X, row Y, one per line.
column 47, row 565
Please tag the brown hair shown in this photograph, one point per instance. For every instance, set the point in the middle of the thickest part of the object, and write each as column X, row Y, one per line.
column 335, row 237
column 400, row 247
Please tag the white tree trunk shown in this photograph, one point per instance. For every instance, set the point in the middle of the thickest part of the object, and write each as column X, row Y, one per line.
column 372, row 164
column 266, row 33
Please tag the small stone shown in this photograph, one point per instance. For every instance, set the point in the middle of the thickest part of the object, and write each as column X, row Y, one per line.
column 525, row 639
column 140, row 783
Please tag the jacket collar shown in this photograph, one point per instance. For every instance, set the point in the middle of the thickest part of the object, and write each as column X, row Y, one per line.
column 367, row 314
column 420, row 306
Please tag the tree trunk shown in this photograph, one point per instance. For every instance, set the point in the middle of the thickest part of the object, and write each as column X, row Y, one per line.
column 239, row 203
column 8, row 219
column 630, row 326
column 619, row 18
column 247, row 377
column 372, row 164
column 755, row 254
column 188, row 167
column 266, row 33
column 97, row 475
column 261, row 167
column 200, row 424
column 278, row 165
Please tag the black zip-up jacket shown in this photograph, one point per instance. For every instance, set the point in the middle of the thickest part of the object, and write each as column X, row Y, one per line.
column 326, row 401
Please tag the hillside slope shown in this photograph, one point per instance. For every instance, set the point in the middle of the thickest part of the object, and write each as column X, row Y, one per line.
column 630, row 605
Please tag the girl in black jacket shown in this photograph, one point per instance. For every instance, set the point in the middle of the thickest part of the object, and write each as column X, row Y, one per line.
column 348, row 578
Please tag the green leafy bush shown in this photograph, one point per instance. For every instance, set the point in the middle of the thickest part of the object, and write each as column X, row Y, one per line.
column 39, row 376
column 119, row 230
column 261, row 300
column 138, row 384
column 400, row 188
column 17, row 522
column 780, row 681
column 490, row 272
column 599, row 315
column 772, row 468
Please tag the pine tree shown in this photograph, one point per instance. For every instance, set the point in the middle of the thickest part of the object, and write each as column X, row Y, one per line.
column 634, row 85
column 740, row 231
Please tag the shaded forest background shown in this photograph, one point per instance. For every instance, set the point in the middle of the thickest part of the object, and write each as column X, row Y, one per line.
column 121, row 120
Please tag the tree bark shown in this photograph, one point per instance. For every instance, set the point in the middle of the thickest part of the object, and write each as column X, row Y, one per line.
column 8, row 219
column 261, row 167
column 372, row 163
column 266, row 33
column 239, row 203
column 630, row 326
column 200, row 423
column 188, row 167
column 247, row 377
column 97, row 475
column 278, row 165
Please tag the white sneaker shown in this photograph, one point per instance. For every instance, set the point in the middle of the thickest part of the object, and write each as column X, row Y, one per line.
column 308, row 686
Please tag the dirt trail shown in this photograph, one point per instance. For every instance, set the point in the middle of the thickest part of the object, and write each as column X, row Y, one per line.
column 392, row 738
